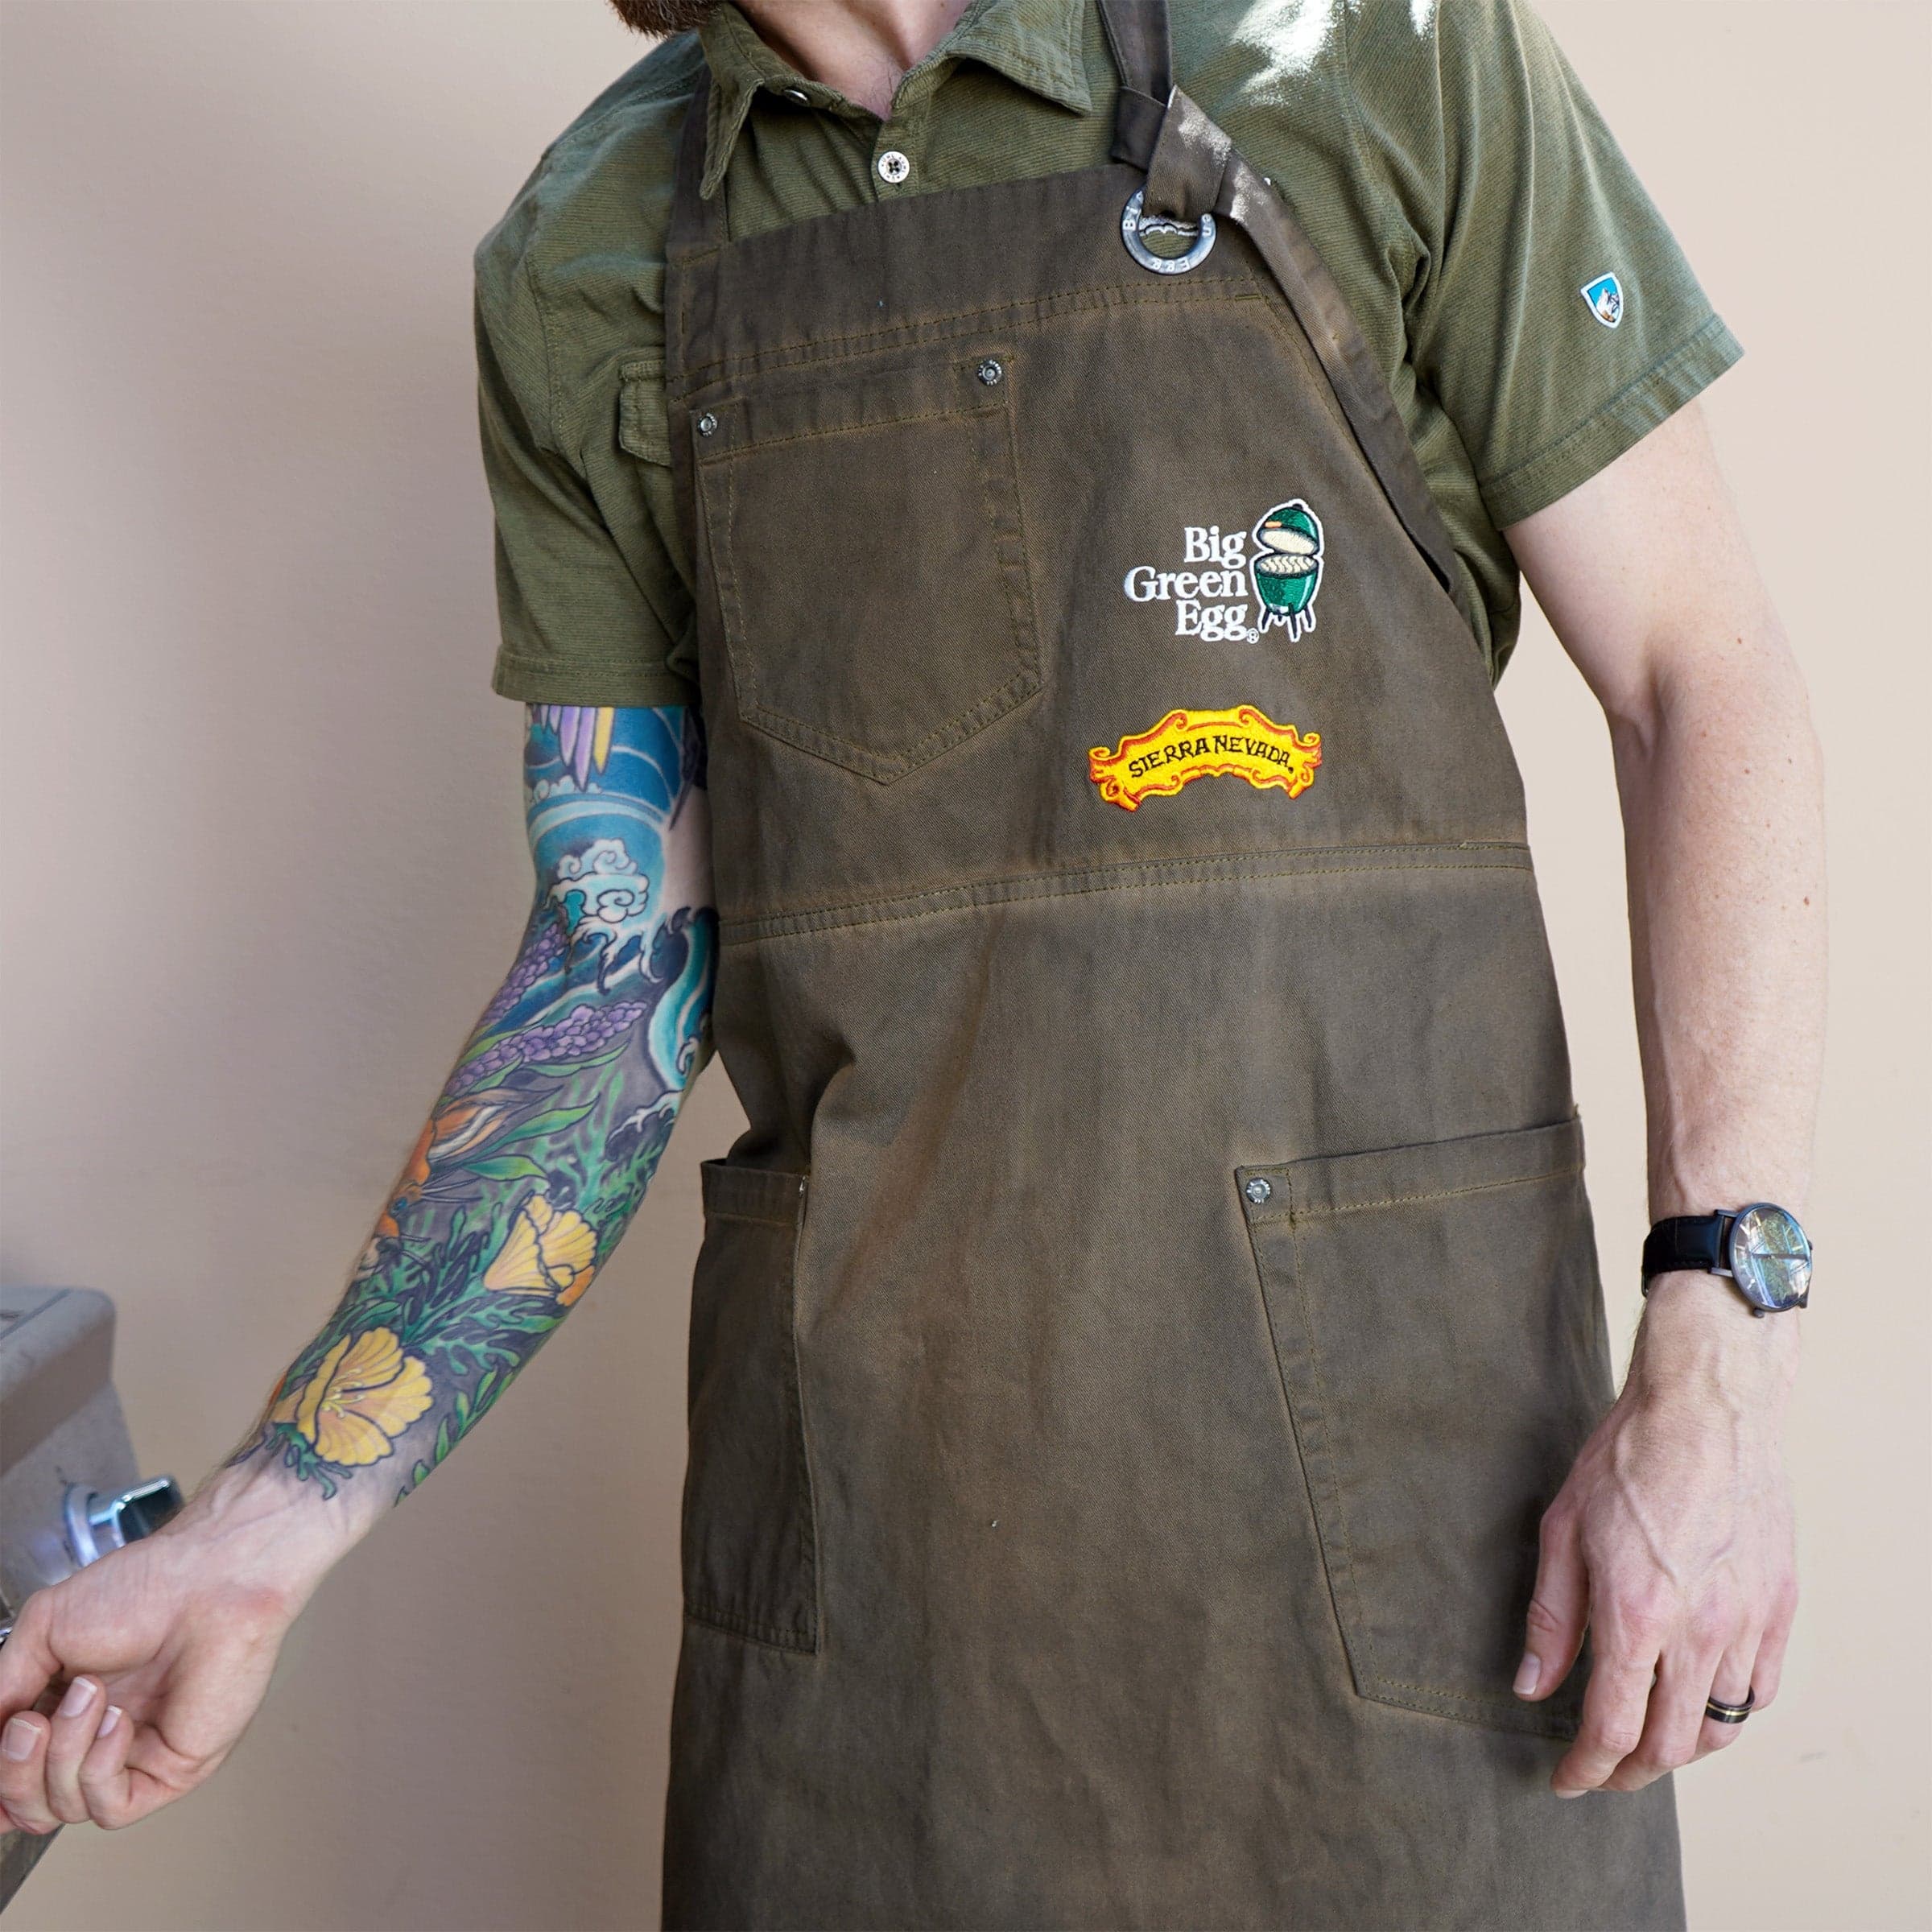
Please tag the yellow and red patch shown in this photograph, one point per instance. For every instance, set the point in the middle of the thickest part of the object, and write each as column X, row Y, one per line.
column 1238, row 743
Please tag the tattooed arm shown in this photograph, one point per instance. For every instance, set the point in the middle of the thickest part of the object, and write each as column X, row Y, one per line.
column 548, row 1129
column 523, row 1180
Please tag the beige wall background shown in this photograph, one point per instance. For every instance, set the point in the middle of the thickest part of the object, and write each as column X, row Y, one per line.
column 264, row 863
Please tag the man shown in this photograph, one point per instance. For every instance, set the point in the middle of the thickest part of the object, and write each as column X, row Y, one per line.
column 1148, row 1368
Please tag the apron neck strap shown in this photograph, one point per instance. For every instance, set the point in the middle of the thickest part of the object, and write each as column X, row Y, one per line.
column 697, row 223
column 1136, row 37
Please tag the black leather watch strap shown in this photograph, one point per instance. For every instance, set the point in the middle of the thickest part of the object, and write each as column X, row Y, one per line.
column 1687, row 1241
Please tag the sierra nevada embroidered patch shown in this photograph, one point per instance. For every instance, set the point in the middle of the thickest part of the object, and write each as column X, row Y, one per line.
column 1238, row 743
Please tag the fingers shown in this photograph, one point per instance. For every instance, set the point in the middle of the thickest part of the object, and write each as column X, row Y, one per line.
column 106, row 1781
column 1676, row 1731
column 41, row 1758
column 27, row 1664
column 1559, row 1607
column 1732, row 1683
column 76, row 1720
column 22, row 1768
column 1615, row 1705
column 1767, row 1667
column 1637, row 1730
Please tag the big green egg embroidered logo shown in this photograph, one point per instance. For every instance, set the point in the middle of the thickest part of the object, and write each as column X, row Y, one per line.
column 1287, row 569
column 1235, row 585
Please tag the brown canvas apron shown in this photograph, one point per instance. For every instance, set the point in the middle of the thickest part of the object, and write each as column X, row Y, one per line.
column 1155, row 1298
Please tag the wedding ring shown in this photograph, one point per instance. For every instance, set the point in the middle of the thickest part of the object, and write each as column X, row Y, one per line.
column 1730, row 1714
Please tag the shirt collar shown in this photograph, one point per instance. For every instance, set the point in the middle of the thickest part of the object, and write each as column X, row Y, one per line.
column 1036, row 43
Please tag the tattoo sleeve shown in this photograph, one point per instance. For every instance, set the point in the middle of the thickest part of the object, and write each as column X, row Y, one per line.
column 549, row 1127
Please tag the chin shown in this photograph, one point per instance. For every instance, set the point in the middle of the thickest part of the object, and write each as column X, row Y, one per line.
column 661, row 16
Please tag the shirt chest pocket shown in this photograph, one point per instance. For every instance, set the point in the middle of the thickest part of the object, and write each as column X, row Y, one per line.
column 864, row 534
column 643, row 428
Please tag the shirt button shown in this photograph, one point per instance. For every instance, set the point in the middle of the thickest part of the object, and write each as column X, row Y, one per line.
column 893, row 166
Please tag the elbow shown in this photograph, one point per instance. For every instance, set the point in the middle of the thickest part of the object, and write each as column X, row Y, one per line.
column 1697, row 691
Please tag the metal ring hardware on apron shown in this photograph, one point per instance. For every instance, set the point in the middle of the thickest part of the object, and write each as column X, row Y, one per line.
column 1154, row 1298
column 1137, row 225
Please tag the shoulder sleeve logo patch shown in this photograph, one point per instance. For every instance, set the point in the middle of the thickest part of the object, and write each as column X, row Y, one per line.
column 1605, row 296
column 1238, row 743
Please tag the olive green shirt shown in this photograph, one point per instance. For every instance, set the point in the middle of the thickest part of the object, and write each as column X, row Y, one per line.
column 1440, row 153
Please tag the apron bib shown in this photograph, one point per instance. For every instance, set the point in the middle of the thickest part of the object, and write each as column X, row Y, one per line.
column 1155, row 1298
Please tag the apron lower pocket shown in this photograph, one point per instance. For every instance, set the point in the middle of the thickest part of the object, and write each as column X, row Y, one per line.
column 1439, row 1330
column 750, row 1557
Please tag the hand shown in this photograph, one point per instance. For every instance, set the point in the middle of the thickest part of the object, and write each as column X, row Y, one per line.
column 1673, row 1540
column 166, row 1649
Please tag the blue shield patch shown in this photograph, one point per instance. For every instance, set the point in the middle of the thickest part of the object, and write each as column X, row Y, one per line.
column 1605, row 296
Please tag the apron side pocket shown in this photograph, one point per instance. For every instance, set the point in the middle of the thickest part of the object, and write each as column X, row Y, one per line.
column 1440, row 1334
column 751, row 1546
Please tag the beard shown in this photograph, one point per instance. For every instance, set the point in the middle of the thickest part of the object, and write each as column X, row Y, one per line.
column 661, row 16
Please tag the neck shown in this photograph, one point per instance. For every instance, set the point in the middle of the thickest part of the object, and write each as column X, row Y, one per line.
column 862, row 47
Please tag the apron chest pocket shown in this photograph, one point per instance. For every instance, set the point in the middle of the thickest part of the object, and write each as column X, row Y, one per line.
column 750, row 1552
column 1440, row 1330
column 865, row 540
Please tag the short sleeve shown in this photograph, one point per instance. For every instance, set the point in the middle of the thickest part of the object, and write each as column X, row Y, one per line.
column 586, row 595
column 1552, row 314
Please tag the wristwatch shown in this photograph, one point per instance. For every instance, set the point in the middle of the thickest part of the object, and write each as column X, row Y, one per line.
column 1760, row 1249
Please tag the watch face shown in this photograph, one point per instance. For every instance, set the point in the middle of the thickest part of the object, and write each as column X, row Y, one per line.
column 1770, row 1258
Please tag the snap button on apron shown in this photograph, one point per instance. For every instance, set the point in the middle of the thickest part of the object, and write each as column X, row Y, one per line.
column 1258, row 1190
column 707, row 423
column 893, row 166
column 989, row 372
column 797, row 94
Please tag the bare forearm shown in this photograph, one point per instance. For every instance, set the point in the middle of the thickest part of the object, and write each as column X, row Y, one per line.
column 1646, row 573
column 537, row 1153
column 1722, row 808
column 1719, row 776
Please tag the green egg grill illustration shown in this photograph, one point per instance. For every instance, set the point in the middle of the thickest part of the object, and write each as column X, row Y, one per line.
column 1287, row 571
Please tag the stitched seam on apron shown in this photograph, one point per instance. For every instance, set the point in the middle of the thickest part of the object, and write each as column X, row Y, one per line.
column 747, row 1626
column 1335, row 1489
column 850, row 429
column 1510, row 857
column 1035, row 309
column 1461, row 1697
column 1403, row 1200
column 1295, row 1424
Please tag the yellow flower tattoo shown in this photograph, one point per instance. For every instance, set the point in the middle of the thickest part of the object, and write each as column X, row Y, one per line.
column 548, row 1250
column 365, row 1393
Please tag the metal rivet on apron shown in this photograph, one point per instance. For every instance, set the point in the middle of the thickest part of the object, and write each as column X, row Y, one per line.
column 707, row 423
column 893, row 166
column 797, row 94
column 1258, row 1190
column 989, row 372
